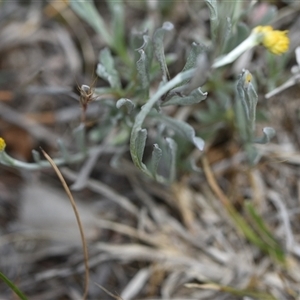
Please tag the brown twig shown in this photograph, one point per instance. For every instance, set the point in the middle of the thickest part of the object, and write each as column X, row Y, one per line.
column 84, row 245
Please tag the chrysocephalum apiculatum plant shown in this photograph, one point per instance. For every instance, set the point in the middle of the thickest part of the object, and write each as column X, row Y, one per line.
column 132, row 104
column 134, row 107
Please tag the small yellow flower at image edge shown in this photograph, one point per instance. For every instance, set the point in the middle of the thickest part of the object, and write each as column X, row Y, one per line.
column 2, row 144
column 276, row 41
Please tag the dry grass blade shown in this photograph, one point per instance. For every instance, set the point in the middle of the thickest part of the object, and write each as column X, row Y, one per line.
column 136, row 284
column 172, row 258
column 230, row 290
column 84, row 245
column 108, row 292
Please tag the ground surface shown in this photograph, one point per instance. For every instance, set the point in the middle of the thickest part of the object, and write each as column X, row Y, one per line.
column 146, row 240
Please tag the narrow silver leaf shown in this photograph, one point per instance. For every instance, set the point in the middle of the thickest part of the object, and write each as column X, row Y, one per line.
column 195, row 96
column 140, row 144
column 159, row 48
column 106, row 69
column 172, row 147
column 155, row 159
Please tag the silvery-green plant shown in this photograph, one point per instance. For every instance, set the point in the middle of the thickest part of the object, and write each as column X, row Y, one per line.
column 132, row 104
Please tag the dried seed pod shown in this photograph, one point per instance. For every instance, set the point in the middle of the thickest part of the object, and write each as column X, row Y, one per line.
column 86, row 96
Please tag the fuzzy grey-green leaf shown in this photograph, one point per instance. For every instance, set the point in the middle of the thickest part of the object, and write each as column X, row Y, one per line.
column 140, row 143
column 155, row 159
column 183, row 129
column 191, row 61
column 88, row 12
column 248, row 98
column 117, row 10
column 214, row 20
column 269, row 133
column 147, row 47
column 172, row 148
column 106, row 69
column 159, row 48
column 195, row 96
column 127, row 103
column 143, row 71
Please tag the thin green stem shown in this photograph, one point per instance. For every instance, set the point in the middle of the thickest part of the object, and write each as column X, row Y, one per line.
column 13, row 287
column 7, row 160
column 248, row 43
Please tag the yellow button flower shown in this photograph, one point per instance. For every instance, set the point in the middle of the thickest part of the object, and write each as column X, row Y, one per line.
column 2, row 144
column 276, row 41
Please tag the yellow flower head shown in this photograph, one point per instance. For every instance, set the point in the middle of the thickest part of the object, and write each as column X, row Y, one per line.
column 276, row 41
column 2, row 144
